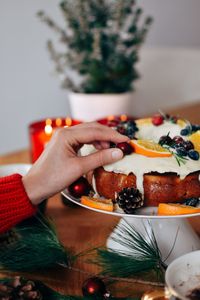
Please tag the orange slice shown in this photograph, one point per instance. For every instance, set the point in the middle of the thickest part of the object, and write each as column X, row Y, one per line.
column 176, row 209
column 195, row 139
column 149, row 148
column 144, row 121
column 182, row 123
column 103, row 204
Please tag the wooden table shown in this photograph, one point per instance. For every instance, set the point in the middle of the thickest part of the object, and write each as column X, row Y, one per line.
column 80, row 229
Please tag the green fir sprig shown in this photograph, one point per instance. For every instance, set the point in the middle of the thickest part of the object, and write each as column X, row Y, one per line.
column 141, row 257
column 34, row 246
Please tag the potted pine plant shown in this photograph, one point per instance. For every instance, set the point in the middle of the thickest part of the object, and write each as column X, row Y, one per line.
column 101, row 40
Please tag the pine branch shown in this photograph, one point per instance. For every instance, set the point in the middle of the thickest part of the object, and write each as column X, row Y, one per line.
column 142, row 254
column 35, row 247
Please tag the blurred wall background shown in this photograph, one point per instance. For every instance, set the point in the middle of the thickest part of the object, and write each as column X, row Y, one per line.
column 169, row 66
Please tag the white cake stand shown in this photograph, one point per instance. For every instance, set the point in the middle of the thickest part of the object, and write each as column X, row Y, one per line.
column 170, row 231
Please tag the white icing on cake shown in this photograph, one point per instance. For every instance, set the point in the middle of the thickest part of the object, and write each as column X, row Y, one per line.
column 151, row 132
column 140, row 164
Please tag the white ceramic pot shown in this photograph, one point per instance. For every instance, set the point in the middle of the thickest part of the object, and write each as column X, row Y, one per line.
column 183, row 276
column 90, row 107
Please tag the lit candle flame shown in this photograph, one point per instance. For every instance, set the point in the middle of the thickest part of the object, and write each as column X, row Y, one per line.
column 110, row 118
column 68, row 122
column 48, row 122
column 48, row 129
column 123, row 118
column 58, row 122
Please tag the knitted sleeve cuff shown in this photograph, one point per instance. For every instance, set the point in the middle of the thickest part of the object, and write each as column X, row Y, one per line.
column 15, row 205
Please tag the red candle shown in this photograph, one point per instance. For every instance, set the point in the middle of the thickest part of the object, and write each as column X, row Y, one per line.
column 113, row 121
column 41, row 132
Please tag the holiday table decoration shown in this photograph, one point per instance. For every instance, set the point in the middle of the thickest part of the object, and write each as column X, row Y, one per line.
column 40, row 133
column 20, row 288
column 171, row 231
column 101, row 49
column 32, row 245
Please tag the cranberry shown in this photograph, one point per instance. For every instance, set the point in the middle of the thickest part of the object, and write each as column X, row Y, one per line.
column 94, row 288
column 80, row 187
column 178, row 139
column 188, row 145
column 157, row 120
column 125, row 147
column 112, row 123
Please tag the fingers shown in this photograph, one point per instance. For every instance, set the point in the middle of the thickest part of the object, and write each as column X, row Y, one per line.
column 101, row 145
column 91, row 132
column 99, row 158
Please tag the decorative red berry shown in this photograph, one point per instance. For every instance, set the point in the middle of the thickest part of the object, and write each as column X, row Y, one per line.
column 94, row 287
column 125, row 147
column 178, row 139
column 112, row 123
column 157, row 120
column 80, row 187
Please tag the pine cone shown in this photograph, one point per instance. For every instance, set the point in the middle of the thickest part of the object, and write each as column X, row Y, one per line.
column 19, row 289
column 8, row 238
column 129, row 199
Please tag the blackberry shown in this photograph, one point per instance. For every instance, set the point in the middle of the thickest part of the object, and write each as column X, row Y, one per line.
column 192, row 202
column 181, row 151
column 128, row 128
column 129, row 199
column 165, row 140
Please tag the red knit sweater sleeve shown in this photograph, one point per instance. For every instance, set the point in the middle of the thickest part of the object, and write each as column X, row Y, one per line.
column 15, row 205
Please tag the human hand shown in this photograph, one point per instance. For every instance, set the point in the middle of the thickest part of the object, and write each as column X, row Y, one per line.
column 59, row 165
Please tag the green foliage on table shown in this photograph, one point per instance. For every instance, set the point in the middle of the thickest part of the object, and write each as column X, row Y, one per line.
column 42, row 290
column 101, row 40
column 142, row 255
column 32, row 245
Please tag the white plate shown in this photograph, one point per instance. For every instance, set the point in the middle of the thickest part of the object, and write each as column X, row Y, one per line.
column 146, row 212
column 183, row 275
column 9, row 169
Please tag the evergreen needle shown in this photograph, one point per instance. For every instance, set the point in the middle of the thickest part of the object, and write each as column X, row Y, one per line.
column 141, row 253
column 36, row 246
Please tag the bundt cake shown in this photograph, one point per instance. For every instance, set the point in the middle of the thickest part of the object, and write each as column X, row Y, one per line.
column 164, row 164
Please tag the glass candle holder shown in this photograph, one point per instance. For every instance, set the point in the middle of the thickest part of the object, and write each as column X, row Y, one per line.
column 40, row 133
column 113, row 121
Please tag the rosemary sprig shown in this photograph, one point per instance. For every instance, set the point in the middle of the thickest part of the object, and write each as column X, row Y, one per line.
column 179, row 158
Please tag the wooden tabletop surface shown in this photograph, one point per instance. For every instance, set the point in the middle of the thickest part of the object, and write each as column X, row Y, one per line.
column 80, row 229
